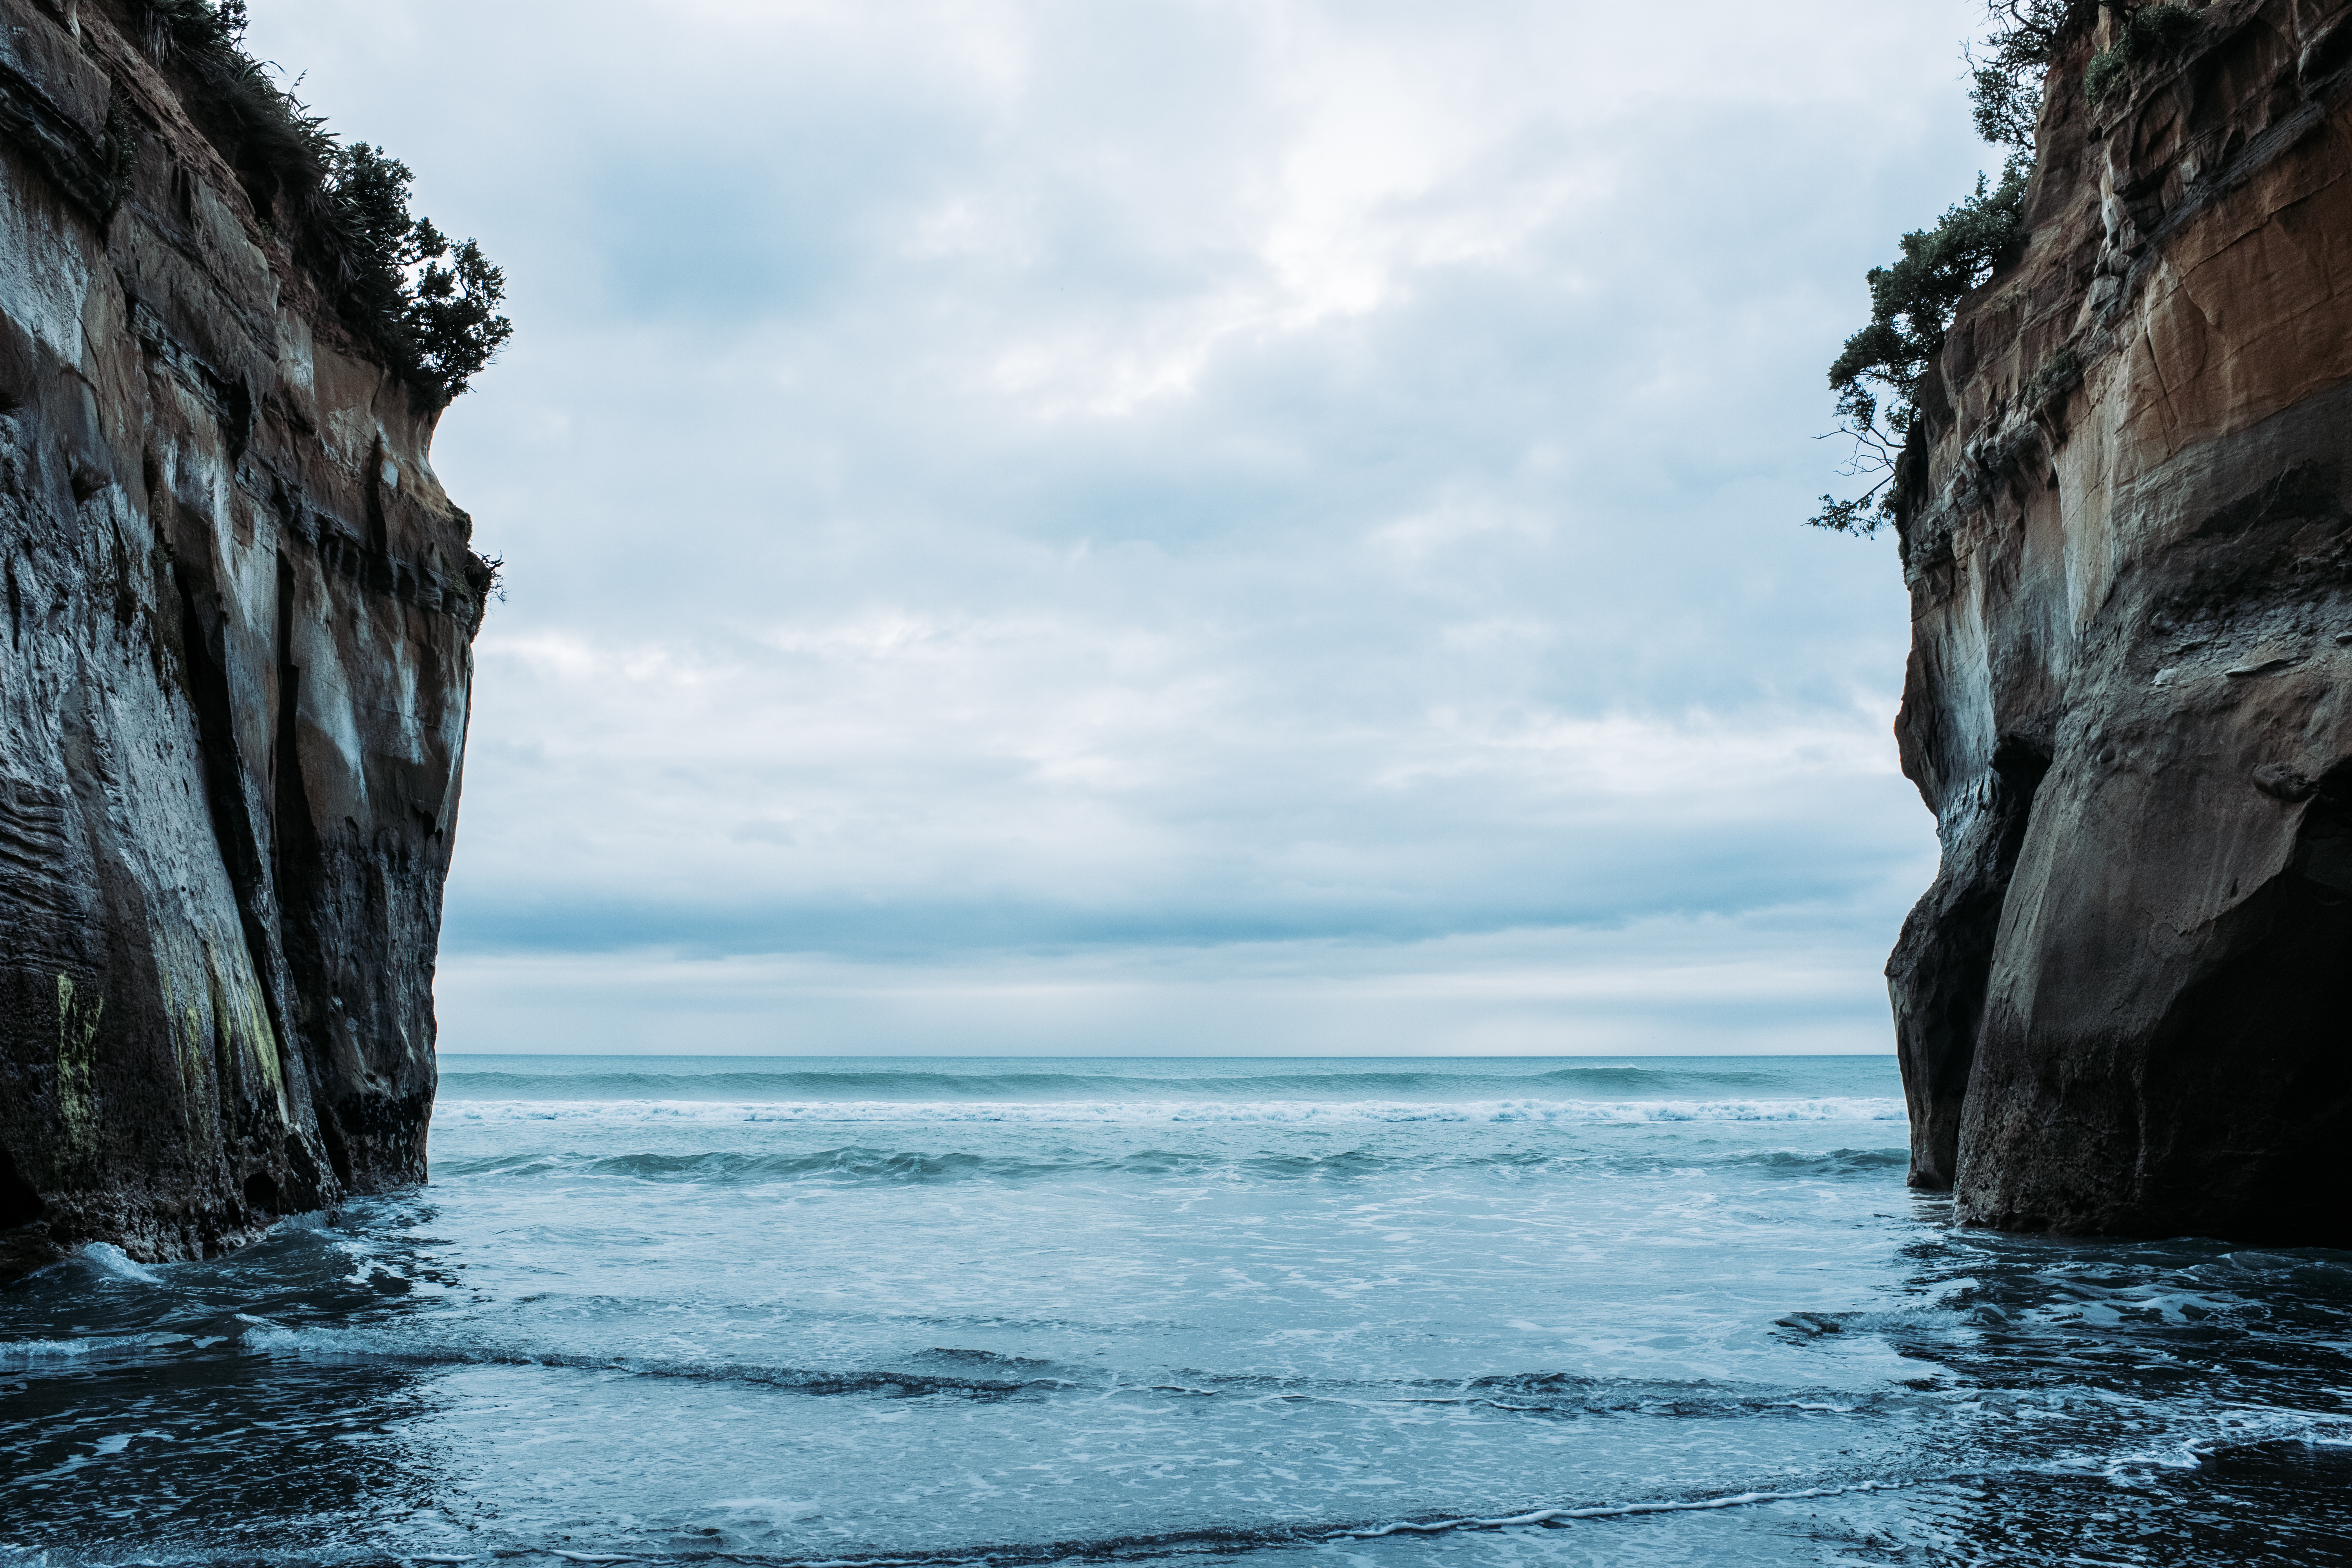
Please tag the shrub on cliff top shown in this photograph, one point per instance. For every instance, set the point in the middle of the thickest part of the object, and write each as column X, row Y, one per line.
column 1877, row 376
column 431, row 304
column 427, row 307
column 261, row 129
column 1911, row 305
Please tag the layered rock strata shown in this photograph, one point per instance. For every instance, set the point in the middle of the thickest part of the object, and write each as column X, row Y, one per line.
column 2126, row 1005
column 235, row 670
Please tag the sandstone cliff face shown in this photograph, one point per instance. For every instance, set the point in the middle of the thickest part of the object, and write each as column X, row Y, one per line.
column 234, row 677
column 2126, row 1005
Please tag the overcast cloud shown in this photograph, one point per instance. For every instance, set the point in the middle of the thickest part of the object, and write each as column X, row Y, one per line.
column 1142, row 526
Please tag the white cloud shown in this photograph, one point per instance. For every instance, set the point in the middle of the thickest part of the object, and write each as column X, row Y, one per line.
column 1672, row 986
column 1007, row 498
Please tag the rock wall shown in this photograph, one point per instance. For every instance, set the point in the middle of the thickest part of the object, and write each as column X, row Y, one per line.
column 233, row 680
column 2126, row 1005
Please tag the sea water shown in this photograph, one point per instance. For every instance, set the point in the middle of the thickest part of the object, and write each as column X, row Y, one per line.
column 1311, row 1312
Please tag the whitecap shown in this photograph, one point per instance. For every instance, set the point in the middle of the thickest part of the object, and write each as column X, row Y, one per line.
column 115, row 1263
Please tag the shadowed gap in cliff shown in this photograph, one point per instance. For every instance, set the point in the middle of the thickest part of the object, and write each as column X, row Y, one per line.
column 239, row 837
column 1942, row 963
column 208, row 694
column 296, row 842
column 19, row 1203
column 2248, row 1105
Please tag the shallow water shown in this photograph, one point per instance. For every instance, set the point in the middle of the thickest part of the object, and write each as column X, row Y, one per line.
column 815, row 1311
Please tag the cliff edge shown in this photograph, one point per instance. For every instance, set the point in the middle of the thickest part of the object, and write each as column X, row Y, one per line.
column 234, row 676
column 2125, row 1007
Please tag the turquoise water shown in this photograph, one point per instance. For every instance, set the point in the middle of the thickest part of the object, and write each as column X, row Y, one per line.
column 804, row 1310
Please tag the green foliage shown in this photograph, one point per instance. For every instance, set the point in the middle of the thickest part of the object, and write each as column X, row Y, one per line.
column 2005, row 82
column 1855, row 516
column 427, row 307
column 197, row 24
column 430, row 304
column 370, row 196
column 1876, row 376
column 259, row 125
column 2152, row 33
column 2106, row 70
column 452, row 310
column 1911, row 302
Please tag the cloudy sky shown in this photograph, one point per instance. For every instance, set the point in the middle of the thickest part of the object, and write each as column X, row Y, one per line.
column 1169, row 525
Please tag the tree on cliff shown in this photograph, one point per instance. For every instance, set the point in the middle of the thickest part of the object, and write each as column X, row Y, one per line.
column 1877, row 374
column 438, row 321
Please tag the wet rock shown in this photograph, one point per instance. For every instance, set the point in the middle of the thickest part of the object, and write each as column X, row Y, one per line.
column 2126, row 1005
column 235, row 667
column 2283, row 782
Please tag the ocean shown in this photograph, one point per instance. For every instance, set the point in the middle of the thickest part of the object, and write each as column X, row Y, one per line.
column 1320, row 1312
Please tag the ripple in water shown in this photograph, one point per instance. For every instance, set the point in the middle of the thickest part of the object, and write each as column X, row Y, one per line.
column 1370, row 1312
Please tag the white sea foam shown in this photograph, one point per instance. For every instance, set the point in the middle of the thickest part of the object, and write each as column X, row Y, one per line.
column 1151, row 1112
column 111, row 1260
column 13, row 1351
column 1611, row 1510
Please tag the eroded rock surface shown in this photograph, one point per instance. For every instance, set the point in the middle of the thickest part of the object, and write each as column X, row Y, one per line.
column 235, row 667
column 2126, row 1005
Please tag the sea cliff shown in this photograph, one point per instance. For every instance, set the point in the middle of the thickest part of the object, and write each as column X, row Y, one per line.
column 234, row 676
column 2125, row 1004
